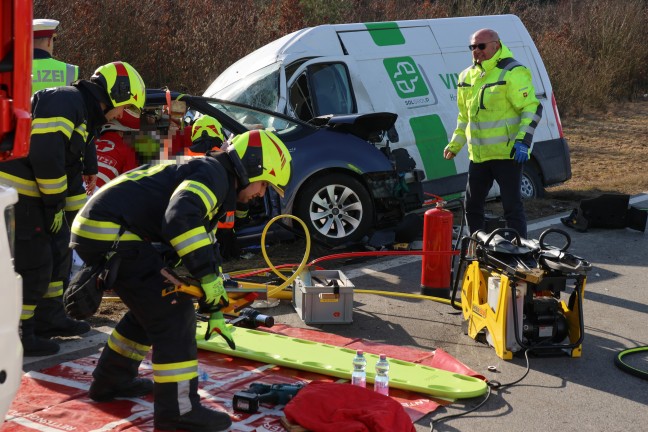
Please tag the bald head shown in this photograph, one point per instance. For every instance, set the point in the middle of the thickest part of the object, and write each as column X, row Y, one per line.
column 484, row 44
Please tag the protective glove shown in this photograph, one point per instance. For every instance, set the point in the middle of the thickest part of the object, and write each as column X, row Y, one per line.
column 53, row 220
column 520, row 152
column 215, row 294
column 217, row 324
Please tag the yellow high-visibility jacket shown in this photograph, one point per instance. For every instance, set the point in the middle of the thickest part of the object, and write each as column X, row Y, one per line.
column 497, row 106
column 48, row 72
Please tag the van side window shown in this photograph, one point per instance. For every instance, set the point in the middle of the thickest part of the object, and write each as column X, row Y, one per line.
column 322, row 89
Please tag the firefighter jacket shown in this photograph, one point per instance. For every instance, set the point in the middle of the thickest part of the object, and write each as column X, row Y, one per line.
column 497, row 106
column 48, row 72
column 176, row 204
column 62, row 118
column 114, row 156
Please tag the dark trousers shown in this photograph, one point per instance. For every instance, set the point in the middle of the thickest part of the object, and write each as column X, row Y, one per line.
column 508, row 175
column 33, row 253
column 167, row 324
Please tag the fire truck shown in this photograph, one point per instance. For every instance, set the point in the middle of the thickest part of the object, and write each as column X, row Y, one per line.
column 15, row 126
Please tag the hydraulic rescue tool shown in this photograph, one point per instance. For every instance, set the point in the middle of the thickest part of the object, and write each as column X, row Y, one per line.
column 220, row 319
column 248, row 401
column 512, row 289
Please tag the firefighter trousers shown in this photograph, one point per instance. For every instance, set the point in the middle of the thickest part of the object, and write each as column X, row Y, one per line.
column 167, row 324
column 33, row 254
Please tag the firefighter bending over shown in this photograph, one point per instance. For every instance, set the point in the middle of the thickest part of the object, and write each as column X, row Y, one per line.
column 176, row 204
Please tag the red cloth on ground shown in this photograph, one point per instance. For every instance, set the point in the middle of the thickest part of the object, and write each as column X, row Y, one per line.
column 334, row 407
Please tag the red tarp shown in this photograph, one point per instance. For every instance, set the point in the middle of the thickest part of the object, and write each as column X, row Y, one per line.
column 56, row 398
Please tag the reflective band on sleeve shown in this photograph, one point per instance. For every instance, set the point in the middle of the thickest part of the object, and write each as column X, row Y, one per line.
column 82, row 130
column 175, row 372
column 190, row 241
column 126, row 347
column 52, row 125
column 228, row 222
column 100, row 230
column 22, row 186
column 52, row 186
column 204, row 193
column 27, row 312
column 54, row 289
column 75, row 202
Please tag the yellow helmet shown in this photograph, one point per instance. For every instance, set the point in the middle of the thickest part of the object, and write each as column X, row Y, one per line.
column 207, row 127
column 123, row 84
column 264, row 157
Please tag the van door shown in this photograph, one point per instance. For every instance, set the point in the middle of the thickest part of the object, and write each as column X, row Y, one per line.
column 399, row 64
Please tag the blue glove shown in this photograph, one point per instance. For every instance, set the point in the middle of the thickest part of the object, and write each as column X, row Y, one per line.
column 520, row 152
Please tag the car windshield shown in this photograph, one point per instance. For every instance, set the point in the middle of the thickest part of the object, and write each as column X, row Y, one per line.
column 259, row 89
column 253, row 119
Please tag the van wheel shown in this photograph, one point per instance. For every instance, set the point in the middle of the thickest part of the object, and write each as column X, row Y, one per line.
column 336, row 208
column 532, row 186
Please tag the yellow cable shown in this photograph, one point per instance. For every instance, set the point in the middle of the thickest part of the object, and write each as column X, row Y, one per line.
column 276, row 291
column 396, row 294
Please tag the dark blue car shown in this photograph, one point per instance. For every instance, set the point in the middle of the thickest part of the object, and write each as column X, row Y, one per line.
column 346, row 179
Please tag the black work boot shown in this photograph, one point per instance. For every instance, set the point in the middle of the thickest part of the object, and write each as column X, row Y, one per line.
column 199, row 419
column 50, row 320
column 103, row 392
column 34, row 346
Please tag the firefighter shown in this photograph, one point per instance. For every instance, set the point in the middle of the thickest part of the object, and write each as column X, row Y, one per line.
column 175, row 204
column 47, row 72
column 207, row 134
column 63, row 119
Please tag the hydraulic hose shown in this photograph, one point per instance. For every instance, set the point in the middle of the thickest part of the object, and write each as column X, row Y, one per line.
column 276, row 291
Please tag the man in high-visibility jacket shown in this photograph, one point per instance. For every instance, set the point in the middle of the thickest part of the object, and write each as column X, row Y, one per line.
column 498, row 114
column 47, row 72
column 174, row 205
column 63, row 119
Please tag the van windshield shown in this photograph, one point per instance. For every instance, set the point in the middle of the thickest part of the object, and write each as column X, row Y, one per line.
column 259, row 89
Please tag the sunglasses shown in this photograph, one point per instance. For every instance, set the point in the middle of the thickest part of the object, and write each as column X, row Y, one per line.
column 479, row 46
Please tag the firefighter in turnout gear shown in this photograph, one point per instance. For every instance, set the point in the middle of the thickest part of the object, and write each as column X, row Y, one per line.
column 498, row 114
column 47, row 72
column 207, row 135
column 63, row 119
column 176, row 204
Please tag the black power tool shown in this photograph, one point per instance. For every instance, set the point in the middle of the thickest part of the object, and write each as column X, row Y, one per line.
column 248, row 401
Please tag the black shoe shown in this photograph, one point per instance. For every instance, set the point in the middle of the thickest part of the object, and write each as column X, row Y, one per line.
column 37, row 347
column 102, row 392
column 69, row 327
column 199, row 419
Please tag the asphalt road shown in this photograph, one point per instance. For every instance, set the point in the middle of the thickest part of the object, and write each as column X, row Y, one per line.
column 559, row 393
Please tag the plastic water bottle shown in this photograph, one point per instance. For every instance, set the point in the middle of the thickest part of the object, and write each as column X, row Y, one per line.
column 359, row 374
column 381, row 383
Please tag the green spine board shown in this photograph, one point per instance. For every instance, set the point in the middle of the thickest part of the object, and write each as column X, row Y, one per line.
column 336, row 361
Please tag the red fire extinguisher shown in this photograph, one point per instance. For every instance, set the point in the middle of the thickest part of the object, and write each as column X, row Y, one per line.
column 437, row 236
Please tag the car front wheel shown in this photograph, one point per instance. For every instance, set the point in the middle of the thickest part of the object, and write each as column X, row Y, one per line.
column 336, row 208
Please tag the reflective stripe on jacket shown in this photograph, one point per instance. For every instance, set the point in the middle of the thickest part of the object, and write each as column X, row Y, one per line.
column 497, row 106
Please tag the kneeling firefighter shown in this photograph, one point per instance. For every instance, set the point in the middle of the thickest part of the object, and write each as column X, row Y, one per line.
column 176, row 205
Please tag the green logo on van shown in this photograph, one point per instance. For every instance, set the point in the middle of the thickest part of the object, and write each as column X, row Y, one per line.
column 406, row 77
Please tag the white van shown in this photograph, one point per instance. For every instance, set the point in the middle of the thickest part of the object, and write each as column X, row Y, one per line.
column 405, row 67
